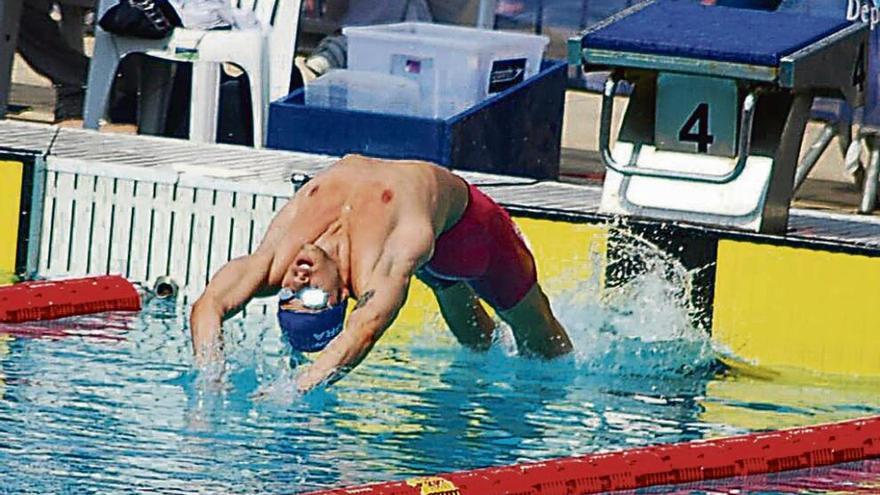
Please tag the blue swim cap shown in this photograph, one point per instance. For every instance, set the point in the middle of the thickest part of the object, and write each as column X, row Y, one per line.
column 311, row 331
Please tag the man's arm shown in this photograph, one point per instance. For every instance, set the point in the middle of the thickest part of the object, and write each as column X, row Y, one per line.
column 236, row 283
column 376, row 309
column 230, row 289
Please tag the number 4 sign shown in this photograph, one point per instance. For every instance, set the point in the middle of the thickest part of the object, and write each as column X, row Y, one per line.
column 696, row 114
column 696, row 129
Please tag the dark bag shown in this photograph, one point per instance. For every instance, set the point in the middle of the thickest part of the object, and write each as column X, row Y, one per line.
column 153, row 19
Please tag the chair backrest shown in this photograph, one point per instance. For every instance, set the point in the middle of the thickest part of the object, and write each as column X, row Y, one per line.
column 282, row 16
column 281, row 20
column 103, row 6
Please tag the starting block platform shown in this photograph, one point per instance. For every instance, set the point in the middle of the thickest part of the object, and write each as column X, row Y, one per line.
column 721, row 99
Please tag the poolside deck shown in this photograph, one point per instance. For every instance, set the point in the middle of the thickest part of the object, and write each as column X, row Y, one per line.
column 269, row 170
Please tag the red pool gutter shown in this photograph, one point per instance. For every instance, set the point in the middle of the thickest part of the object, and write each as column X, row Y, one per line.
column 52, row 299
column 745, row 455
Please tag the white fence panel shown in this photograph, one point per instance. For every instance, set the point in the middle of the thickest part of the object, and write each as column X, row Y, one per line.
column 161, row 232
column 221, row 231
column 144, row 223
column 123, row 213
column 103, row 219
column 63, row 206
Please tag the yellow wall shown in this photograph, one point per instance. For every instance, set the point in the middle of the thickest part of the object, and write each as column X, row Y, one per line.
column 797, row 307
column 10, row 202
column 800, row 397
column 775, row 307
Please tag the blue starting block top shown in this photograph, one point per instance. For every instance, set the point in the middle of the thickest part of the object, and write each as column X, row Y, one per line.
column 687, row 29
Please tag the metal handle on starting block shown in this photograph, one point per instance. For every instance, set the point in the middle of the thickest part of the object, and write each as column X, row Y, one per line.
column 743, row 145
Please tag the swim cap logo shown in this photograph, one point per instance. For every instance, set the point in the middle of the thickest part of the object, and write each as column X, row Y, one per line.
column 328, row 334
column 432, row 485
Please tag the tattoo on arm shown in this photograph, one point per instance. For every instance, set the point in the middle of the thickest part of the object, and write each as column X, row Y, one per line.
column 364, row 299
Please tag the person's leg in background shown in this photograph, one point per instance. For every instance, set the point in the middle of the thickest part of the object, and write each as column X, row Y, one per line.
column 235, row 119
column 43, row 47
column 331, row 53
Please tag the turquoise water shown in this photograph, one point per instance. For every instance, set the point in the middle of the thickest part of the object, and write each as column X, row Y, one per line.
column 111, row 404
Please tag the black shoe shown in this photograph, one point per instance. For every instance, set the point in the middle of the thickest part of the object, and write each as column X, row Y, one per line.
column 69, row 102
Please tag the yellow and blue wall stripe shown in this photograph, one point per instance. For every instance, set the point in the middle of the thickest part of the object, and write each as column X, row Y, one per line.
column 18, row 179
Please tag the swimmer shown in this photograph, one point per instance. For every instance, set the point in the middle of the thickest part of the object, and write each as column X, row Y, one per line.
column 362, row 229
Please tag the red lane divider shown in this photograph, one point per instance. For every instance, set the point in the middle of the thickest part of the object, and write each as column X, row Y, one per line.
column 689, row 462
column 48, row 300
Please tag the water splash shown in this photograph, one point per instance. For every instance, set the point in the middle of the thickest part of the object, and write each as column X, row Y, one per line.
column 645, row 325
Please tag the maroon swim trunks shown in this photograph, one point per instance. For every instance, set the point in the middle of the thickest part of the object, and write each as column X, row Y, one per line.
column 485, row 249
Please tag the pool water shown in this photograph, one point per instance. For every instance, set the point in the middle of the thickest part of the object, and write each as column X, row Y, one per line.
column 112, row 404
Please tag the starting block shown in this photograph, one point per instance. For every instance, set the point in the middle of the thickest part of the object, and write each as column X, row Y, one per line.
column 721, row 100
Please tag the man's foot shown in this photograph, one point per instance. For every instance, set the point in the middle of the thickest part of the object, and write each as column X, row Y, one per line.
column 509, row 7
column 307, row 73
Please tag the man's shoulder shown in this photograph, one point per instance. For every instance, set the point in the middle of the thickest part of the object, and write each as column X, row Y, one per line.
column 362, row 162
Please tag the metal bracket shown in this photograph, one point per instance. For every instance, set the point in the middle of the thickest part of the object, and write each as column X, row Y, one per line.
column 630, row 169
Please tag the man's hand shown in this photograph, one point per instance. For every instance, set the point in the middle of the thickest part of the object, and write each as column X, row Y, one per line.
column 207, row 339
column 308, row 380
column 373, row 314
column 230, row 289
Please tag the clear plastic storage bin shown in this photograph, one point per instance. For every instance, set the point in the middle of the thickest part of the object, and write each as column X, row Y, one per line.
column 367, row 91
column 455, row 67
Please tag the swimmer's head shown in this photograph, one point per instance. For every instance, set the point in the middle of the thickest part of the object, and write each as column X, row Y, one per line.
column 308, row 320
column 312, row 301
column 313, row 267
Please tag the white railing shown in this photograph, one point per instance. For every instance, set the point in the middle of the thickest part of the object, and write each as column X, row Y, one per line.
column 143, row 223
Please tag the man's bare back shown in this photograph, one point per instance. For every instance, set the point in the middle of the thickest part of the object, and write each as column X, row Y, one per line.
column 362, row 229
column 370, row 201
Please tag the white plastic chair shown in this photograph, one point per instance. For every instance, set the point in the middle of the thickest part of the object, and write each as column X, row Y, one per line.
column 265, row 54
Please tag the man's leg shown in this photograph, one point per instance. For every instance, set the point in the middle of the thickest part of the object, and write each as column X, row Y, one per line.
column 464, row 315
column 536, row 330
column 44, row 48
column 462, row 311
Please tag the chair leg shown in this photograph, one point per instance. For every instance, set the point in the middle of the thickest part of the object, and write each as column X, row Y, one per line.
column 157, row 78
column 486, row 14
column 259, row 88
column 872, row 176
column 259, row 104
column 102, row 72
column 204, row 103
column 816, row 149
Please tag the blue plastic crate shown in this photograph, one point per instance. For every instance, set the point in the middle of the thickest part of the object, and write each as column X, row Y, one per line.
column 515, row 132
